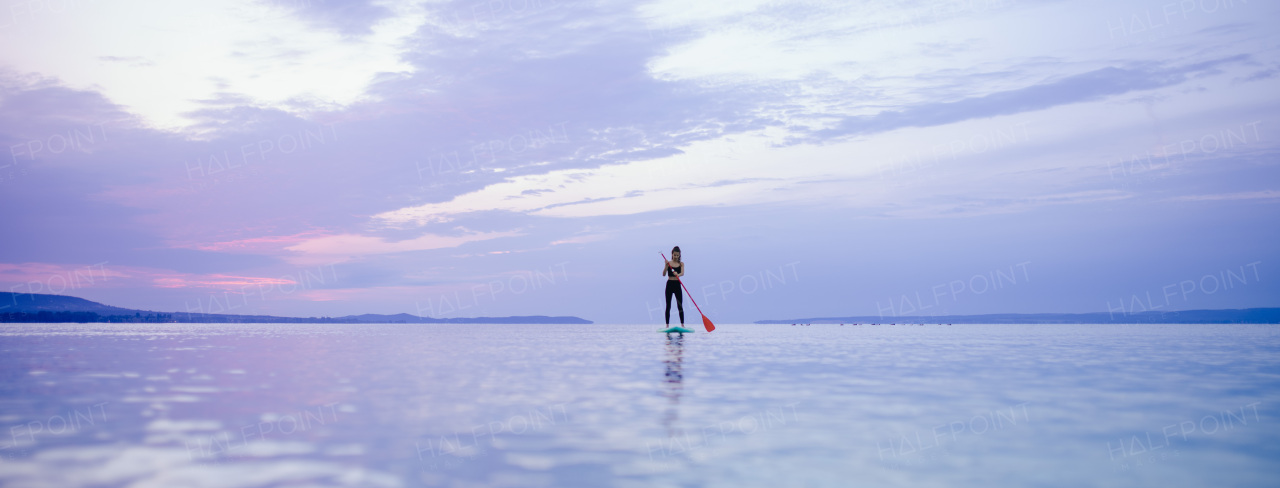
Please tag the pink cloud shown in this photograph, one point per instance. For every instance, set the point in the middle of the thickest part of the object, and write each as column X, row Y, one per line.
column 259, row 244
column 346, row 245
column 65, row 278
column 215, row 281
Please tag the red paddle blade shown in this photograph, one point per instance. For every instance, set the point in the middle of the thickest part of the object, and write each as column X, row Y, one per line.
column 707, row 322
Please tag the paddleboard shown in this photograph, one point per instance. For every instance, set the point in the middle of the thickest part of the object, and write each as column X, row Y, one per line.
column 675, row 329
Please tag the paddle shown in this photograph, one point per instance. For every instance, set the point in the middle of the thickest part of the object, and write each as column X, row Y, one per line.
column 705, row 321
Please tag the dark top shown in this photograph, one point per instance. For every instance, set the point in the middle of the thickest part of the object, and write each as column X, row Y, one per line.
column 675, row 269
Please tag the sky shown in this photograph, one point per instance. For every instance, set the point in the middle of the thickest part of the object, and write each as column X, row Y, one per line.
column 535, row 157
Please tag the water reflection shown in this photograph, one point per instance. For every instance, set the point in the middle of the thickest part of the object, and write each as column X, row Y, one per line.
column 403, row 404
column 673, row 385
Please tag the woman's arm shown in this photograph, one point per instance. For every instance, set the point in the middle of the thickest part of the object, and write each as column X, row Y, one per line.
column 666, row 266
column 683, row 267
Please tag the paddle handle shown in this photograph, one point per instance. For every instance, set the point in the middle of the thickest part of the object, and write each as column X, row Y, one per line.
column 686, row 290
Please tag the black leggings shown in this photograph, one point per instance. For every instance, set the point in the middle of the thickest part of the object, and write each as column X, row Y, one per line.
column 673, row 288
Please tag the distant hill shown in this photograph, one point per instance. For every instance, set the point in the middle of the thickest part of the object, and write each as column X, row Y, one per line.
column 28, row 307
column 1238, row 316
column 28, row 302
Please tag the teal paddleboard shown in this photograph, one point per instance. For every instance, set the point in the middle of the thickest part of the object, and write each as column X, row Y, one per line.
column 675, row 329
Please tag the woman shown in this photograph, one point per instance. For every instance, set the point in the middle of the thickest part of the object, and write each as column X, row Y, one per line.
column 673, row 270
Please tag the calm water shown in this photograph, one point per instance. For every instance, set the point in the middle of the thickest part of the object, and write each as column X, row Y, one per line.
column 597, row 405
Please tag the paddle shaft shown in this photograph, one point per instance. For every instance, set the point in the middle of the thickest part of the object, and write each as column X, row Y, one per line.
column 686, row 290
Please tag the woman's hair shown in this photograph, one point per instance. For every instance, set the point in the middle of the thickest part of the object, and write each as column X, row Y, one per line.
column 675, row 250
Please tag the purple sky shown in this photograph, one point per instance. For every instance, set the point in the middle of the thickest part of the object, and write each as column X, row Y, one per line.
column 508, row 157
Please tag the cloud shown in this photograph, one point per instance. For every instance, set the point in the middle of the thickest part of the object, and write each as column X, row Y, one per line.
column 1004, row 204
column 160, row 62
column 254, row 244
column 1264, row 195
column 71, row 278
column 350, row 245
column 1084, row 87
column 350, row 17
column 755, row 169
column 577, row 192
column 131, row 61
column 581, row 239
column 217, row 281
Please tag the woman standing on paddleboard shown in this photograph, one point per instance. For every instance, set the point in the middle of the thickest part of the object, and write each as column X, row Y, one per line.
column 673, row 270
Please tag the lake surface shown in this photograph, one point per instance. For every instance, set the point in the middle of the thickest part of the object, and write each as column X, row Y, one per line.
column 622, row 405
